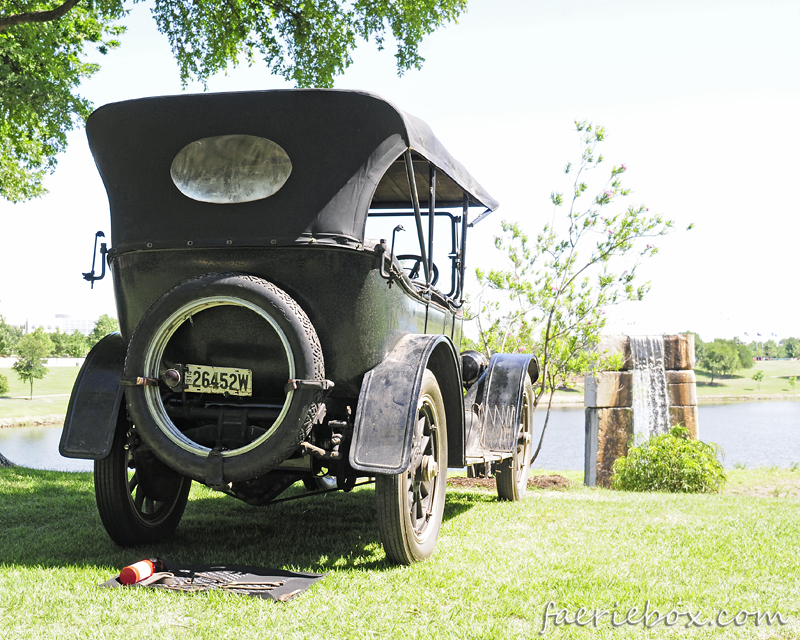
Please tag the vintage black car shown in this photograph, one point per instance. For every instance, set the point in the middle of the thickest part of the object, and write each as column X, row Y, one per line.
column 289, row 277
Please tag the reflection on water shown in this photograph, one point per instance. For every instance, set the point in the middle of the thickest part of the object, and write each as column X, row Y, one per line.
column 37, row 447
column 757, row 434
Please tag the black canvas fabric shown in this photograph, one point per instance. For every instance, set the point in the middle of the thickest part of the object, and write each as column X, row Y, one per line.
column 341, row 144
column 232, row 578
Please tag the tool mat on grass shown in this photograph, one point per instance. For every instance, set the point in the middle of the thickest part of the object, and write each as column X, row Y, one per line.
column 269, row 584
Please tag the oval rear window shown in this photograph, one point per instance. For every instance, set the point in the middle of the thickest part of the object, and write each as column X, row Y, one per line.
column 230, row 169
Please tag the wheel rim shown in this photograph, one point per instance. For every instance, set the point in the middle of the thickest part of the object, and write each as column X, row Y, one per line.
column 522, row 457
column 423, row 478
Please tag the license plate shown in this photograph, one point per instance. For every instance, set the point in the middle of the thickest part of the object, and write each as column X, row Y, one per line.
column 201, row 379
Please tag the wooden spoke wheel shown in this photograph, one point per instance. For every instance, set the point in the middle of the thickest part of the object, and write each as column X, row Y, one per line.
column 140, row 501
column 411, row 504
column 512, row 473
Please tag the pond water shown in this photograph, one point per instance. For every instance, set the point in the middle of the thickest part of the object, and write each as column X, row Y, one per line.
column 756, row 434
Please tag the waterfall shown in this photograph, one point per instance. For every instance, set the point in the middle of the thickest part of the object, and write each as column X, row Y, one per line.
column 650, row 400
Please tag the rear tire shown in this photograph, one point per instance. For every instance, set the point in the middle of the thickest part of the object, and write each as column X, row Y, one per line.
column 411, row 504
column 512, row 473
column 131, row 515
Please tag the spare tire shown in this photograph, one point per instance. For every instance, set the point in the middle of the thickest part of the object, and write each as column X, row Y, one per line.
column 225, row 320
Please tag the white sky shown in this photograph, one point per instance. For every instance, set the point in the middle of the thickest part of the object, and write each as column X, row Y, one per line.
column 700, row 98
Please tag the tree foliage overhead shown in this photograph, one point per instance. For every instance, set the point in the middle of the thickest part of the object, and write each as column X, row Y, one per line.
column 42, row 63
column 308, row 42
column 44, row 47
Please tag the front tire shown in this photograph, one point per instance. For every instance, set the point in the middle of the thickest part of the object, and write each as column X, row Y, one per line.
column 411, row 504
column 137, row 505
column 512, row 473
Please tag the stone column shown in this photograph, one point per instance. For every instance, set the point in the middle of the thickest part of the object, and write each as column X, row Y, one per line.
column 681, row 381
column 608, row 400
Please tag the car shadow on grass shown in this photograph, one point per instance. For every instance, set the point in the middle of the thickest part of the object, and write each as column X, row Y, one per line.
column 50, row 519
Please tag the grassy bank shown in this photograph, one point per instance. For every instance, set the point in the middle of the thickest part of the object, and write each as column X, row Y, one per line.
column 739, row 386
column 496, row 566
column 50, row 395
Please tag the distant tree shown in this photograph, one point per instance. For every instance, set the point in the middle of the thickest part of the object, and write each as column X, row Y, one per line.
column 3, row 385
column 32, row 352
column 745, row 355
column 758, row 376
column 791, row 347
column 792, row 381
column 76, row 345
column 59, row 341
column 757, row 348
column 720, row 357
column 771, row 349
column 104, row 325
column 8, row 338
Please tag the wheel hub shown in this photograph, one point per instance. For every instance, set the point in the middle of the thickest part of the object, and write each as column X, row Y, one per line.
column 429, row 468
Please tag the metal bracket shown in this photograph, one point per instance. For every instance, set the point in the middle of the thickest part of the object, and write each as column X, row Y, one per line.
column 320, row 385
column 138, row 381
column 89, row 276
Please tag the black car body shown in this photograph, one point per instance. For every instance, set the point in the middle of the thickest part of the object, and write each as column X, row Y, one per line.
column 265, row 338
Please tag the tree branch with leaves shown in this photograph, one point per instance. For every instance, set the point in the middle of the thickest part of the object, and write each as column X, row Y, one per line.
column 551, row 298
column 27, row 17
column 42, row 62
column 43, row 53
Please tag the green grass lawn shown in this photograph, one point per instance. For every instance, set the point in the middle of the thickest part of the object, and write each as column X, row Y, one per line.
column 775, row 382
column 50, row 395
column 495, row 568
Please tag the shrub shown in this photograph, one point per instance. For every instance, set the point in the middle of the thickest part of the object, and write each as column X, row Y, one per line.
column 671, row 462
column 3, row 385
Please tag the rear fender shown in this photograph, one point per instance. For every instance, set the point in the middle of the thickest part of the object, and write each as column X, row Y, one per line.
column 494, row 403
column 94, row 405
column 387, row 404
